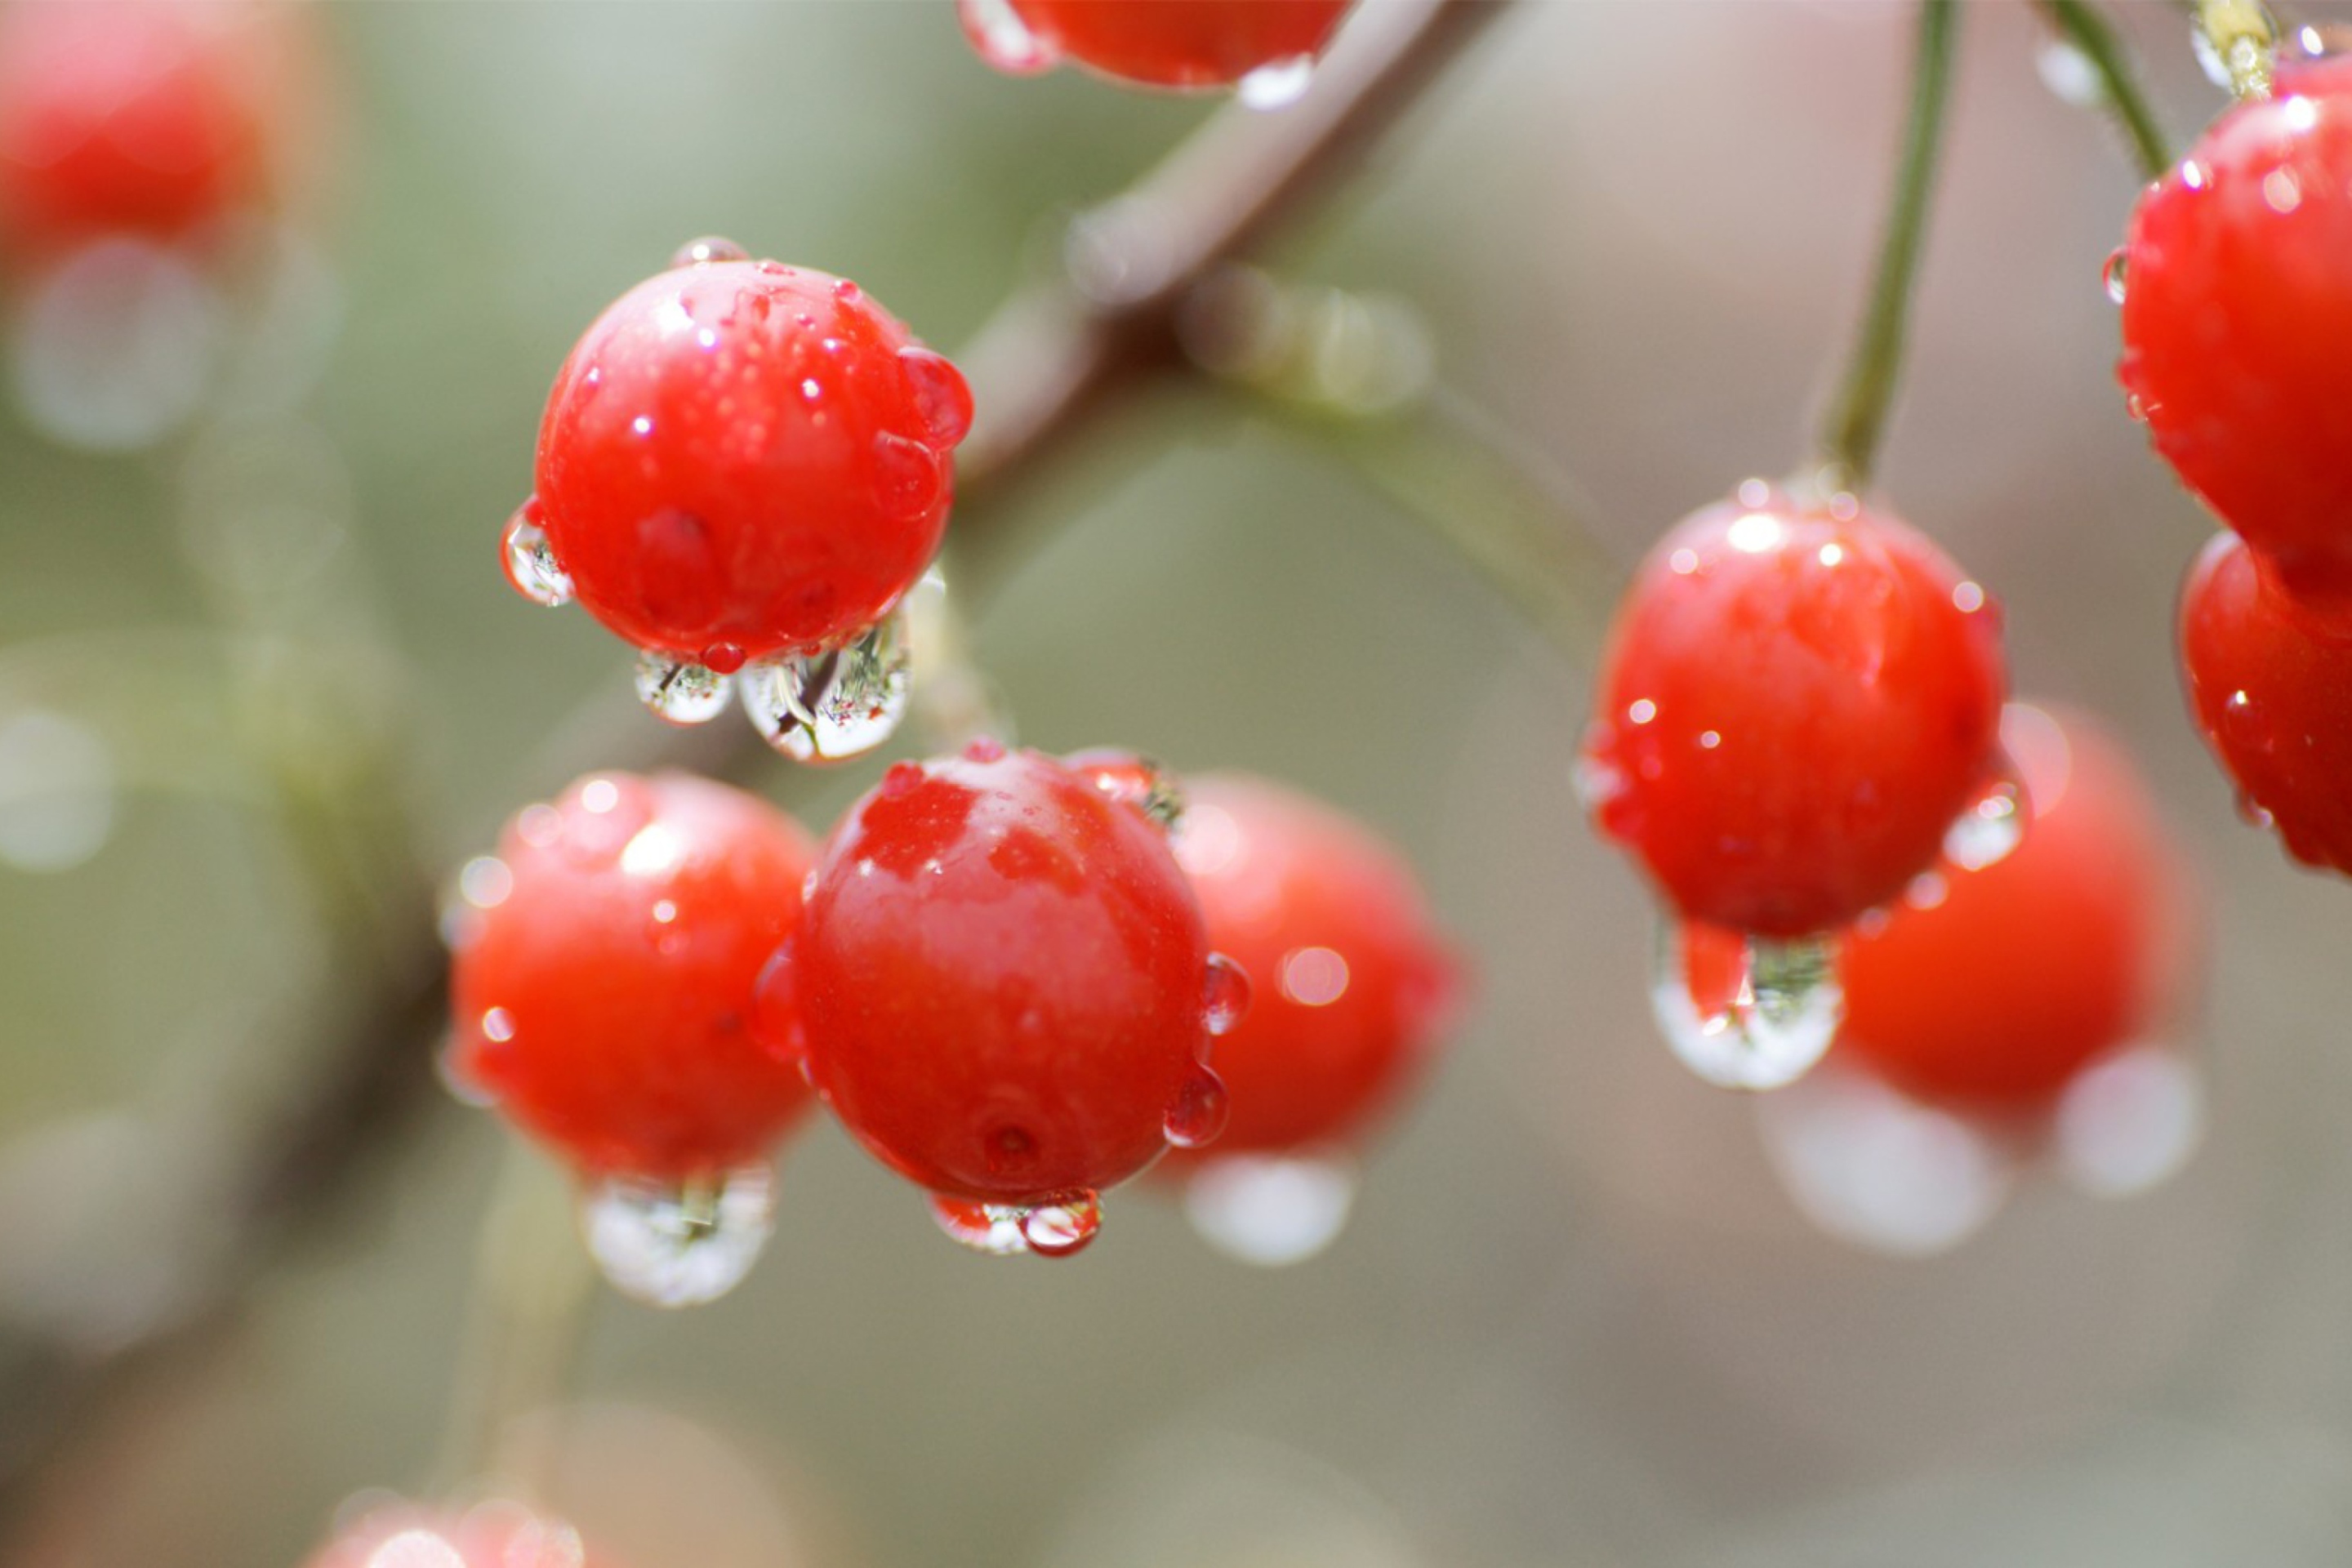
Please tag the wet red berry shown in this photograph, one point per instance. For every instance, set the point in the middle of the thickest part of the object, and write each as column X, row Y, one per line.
column 2270, row 681
column 605, row 968
column 1795, row 704
column 1001, row 980
column 2237, row 323
column 1993, row 988
column 746, row 457
column 1153, row 43
column 1353, row 984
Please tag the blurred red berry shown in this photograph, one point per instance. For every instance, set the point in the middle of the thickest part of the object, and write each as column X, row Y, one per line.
column 605, row 968
column 2237, row 323
column 1796, row 703
column 493, row 1535
column 1153, row 43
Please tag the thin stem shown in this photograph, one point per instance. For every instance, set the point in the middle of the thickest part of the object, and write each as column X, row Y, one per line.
column 1857, row 419
column 2243, row 37
column 2080, row 24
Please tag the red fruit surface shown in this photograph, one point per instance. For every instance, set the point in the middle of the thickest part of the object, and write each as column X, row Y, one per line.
column 1352, row 982
column 1793, row 706
column 1000, row 981
column 748, row 454
column 2237, row 323
column 2023, row 972
column 605, row 998
column 2270, row 682
column 149, row 117
column 1178, row 42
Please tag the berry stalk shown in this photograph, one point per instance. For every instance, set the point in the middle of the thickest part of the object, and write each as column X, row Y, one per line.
column 2081, row 25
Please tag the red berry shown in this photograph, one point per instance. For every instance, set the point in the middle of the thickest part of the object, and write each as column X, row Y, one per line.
column 741, row 459
column 1995, row 987
column 2237, row 323
column 2270, row 681
column 1353, row 983
column 1796, row 703
column 605, row 970
column 1000, row 983
column 492, row 1535
column 147, row 116
column 1162, row 42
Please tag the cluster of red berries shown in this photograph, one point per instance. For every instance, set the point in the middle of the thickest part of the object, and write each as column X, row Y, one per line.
column 2237, row 333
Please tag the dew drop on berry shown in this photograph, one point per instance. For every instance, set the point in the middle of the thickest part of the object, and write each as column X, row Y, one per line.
column 723, row 657
column 708, row 249
column 996, row 1230
column 2115, row 274
column 983, row 749
column 1988, row 828
column 1277, row 84
column 678, row 1244
column 2126, row 1123
column 1224, row 995
column 1270, row 1209
column 942, row 399
column 1879, row 1171
column 1002, row 38
column 530, row 559
column 1201, row 1109
column 907, row 477
column 776, row 1010
column 1063, row 1224
column 1744, row 1011
column 830, row 707
column 680, row 690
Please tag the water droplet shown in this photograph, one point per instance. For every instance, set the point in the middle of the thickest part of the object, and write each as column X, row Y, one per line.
column 1277, row 84
column 995, row 1230
column 1063, row 1224
column 1201, row 1109
column 708, row 249
column 2113, row 275
column 2129, row 1122
column 2069, row 74
column 846, row 291
column 1768, row 1021
column 681, row 692
column 1224, row 995
column 722, row 657
column 1133, row 780
column 1270, row 1209
column 901, row 779
column 776, row 1010
column 830, row 707
column 983, row 749
column 908, row 479
column 1003, row 41
column 530, row 559
column 942, row 400
column 58, row 792
column 1986, row 833
column 678, row 1244
column 1880, row 1171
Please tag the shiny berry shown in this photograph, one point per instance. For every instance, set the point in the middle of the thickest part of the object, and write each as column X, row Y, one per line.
column 605, row 975
column 1993, row 988
column 2237, row 323
column 1353, row 984
column 1795, row 704
column 1001, row 980
column 2270, row 682
column 1183, row 44
column 747, row 457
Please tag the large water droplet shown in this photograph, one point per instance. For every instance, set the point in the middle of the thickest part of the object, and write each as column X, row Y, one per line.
column 1270, row 1209
column 1871, row 1167
column 1002, row 38
column 530, row 559
column 1224, row 995
column 1063, row 1224
column 678, row 1244
column 2115, row 275
column 680, row 690
column 942, row 399
column 1768, row 1021
column 2129, row 1122
column 1201, row 1109
column 995, row 1230
column 1988, row 830
column 1277, row 84
column 710, row 248
column 830, row 707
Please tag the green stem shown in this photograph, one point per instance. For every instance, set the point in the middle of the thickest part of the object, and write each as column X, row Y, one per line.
column 2081, row 25
column 1850, row 434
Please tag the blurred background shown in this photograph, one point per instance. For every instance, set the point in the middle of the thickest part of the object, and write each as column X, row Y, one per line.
column 260, row 677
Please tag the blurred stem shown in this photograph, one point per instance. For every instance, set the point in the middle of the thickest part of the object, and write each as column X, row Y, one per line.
column 2243, row 37
column 1857, row 419
column 2081, row 25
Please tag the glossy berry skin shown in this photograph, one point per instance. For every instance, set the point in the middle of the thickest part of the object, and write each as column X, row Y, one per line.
column 147, row 117
column 2270, row 681
column 1353, row 985
column 1180, row 44
column 604, row 998
column 2237, row 323
column 1000, row 981
column 747, row 456
column 1992, row 989
column 1794, row 704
